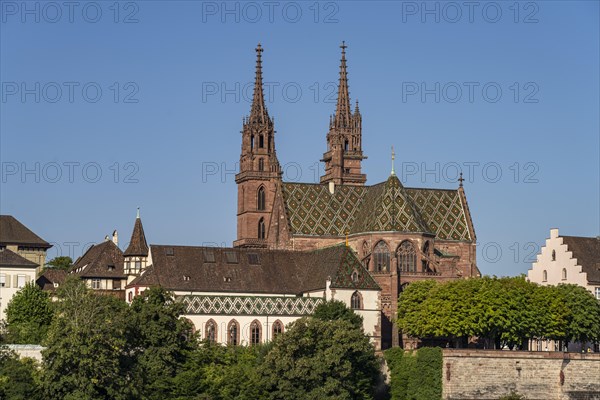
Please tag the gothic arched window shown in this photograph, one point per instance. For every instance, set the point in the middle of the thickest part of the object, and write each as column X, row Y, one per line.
column 277, row 328
column 255, row 333
column 251, row 142
column 261, row 164
column 382, row 257
column 553, row 255
column 261, row 228
column 233, row 333
column 564, row 273
column 211, row 331
column 261, row 141
column 407, row 257
column 356, row 301
column 260, row 199
column 346, row 146
column 544, row 276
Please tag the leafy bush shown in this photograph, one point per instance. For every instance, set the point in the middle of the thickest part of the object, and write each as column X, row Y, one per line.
column 415, row 375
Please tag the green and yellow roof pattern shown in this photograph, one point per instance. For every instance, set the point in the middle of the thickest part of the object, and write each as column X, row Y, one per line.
column 388, row 206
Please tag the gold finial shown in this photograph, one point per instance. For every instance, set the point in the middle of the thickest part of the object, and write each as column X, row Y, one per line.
column 393, row 158
column 347, row 238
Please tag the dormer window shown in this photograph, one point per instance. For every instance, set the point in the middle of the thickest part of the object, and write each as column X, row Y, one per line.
column 355, row 276
column 186, row 278
column 111, row 267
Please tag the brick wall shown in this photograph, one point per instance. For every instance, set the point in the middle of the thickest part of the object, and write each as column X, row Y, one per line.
column 489, row 375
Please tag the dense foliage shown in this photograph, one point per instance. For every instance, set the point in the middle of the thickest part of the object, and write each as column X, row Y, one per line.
column 98, row 347
column 415, row 375
column 17, row 377
column 62, row 262
column 318, row 359
column 499, row 311
column 28, row 315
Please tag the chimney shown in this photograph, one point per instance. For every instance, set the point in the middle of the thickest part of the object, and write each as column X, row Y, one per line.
column 115, row 237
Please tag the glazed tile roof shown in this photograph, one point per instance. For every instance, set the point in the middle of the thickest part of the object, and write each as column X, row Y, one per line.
column 238, row 270
column 387, row 206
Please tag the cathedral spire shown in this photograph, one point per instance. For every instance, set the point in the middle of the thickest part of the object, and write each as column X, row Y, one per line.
column 342, row 111
column 258, row 112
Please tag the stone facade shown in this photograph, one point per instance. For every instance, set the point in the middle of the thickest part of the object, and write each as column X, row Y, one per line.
column 489, row 375
column 401, row 235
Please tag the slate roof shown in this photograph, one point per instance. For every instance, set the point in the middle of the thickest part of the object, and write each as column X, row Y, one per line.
column 14, row 232
column 9, row 258
column 387, row 206
column 137, row 244
column 188, row 268
column 51, row 276
column 98, row 260
column 587, row 252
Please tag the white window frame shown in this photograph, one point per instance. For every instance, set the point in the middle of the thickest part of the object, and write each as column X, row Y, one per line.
column 597, row 293
column 2, row 280
column 21, row 281
column 96, row 284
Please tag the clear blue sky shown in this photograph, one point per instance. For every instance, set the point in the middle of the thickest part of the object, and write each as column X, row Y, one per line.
column 171, row 107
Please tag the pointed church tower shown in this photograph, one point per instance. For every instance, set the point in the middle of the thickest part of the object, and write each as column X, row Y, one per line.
column 136, row 255
column 260, row 172
column 344, row 140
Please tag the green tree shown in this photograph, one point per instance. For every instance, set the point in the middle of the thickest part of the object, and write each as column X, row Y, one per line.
column 85, row 357
column 62, row 262
column 28, row 315
column 583, row 318
column 410, row 308
column 159, row 341
column 221, row 373
column 335, row 310
column 318, row 359
column 17, row 377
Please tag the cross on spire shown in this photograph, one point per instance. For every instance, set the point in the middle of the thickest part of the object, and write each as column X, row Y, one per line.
column 460, row 180
column 342, row 111
column 258, row 112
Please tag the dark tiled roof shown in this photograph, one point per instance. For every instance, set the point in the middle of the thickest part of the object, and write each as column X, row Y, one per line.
column 14, row 232
column 184, row 268
column 137, row 244
column 9, row 258
column 104, row 260
column 51, row 276
column 587, row 252
column 387, row 206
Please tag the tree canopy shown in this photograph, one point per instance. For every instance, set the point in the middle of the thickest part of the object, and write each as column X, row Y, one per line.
column 28, row 315
column 317, row 359
column 500, row 311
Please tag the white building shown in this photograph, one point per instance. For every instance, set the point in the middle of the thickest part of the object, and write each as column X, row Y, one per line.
column 247, row 296
column 22, row 255
column 568, row 259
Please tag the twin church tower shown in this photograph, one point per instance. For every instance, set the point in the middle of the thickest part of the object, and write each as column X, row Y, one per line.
column 260, row 173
